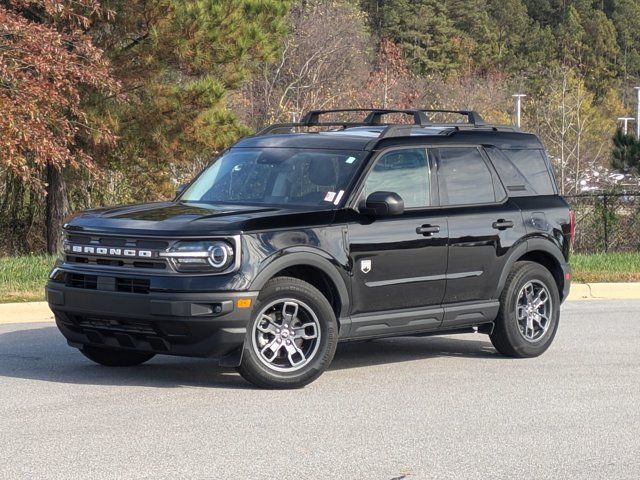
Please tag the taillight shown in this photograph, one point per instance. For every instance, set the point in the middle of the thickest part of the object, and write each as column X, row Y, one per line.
column 572, row 225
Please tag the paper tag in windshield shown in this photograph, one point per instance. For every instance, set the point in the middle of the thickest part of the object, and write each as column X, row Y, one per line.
column 338, row 197
column 329, row 196
column 350, row 160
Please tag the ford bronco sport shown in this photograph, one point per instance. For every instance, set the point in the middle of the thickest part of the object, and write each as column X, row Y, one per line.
column 313, row 233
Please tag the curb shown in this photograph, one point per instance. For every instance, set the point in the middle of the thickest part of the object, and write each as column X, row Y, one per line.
column 604, row 291
column 32, row 312
column 25, row 312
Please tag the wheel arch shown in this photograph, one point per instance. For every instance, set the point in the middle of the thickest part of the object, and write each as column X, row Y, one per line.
column 320, row 271
column 541, row 251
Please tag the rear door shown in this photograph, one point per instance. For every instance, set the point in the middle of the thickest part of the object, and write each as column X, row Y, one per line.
column 399, row 262
column 483, row 224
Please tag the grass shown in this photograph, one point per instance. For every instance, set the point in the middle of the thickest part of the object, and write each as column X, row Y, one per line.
column 606, row 267
column 22, row 279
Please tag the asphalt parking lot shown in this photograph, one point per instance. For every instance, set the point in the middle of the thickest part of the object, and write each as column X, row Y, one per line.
column 414, row 408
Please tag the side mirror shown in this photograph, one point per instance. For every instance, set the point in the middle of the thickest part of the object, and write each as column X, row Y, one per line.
column 180, row 189
column 383, row 204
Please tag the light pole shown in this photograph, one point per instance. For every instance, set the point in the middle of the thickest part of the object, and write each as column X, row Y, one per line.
column 638, row 115
column 518, row 97
column 625, row 121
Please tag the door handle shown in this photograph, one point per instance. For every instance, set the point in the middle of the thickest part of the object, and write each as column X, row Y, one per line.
column 428, row 230
column 502, row 224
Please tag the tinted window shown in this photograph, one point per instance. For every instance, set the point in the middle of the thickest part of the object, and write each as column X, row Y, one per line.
column 405, row 172
column 464, row 178
column 524, row 172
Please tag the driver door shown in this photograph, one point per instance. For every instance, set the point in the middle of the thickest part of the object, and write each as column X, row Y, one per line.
column 399, row 262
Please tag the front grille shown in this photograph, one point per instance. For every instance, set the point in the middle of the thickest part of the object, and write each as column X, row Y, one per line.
column 133, row 262
column 132, row 285
column 109, row 284
column 79, row 280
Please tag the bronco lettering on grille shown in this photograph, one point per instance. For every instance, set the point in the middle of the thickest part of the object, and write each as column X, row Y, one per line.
column 110, row 252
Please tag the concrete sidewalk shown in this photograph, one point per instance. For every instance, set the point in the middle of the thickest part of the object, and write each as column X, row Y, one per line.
column 30, row 312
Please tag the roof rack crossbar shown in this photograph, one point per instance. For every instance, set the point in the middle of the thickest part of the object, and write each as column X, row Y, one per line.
column 374, row 118
column 473, row 117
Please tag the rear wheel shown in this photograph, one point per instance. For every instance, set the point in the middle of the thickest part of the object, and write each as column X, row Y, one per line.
column 292, row 337
column 529, row 312
column 115, row 358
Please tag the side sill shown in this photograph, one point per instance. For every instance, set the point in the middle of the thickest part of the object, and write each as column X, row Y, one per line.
column 467, row 315
column 439, row 320
column 393, row 322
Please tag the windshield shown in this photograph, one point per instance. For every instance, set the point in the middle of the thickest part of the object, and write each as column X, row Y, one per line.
column 276, row 176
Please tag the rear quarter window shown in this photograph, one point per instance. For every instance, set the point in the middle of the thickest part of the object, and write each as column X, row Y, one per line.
column 523, row 172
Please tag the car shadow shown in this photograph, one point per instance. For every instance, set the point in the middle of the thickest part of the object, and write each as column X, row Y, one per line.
column 407, row 349
column 42, row 354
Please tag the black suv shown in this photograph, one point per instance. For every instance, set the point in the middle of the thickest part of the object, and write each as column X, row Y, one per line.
column 312, row 233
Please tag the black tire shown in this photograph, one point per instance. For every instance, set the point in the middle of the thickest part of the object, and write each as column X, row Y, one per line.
column 115, row 358
column 507, row 336
column 255, row 368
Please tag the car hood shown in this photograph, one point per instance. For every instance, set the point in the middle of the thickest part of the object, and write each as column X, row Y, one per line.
column 192, row 219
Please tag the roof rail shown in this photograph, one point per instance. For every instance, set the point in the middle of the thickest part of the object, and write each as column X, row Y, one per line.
column 407, row 130
column 288, row 127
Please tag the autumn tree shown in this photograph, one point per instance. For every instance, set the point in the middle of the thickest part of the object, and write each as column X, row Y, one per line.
column 574, row 130
column 391, row 83
column 488, row 94
column 323, row 63
column 47, row 64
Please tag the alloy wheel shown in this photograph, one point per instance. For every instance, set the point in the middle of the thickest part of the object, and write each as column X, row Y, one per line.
column 286, row 335
column 534, row 311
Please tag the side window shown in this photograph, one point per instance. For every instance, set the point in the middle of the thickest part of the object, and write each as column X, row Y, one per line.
column 524, row 172
column 464, row 178
column 405, row 172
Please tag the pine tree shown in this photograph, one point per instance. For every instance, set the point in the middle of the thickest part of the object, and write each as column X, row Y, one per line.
column 423, row 30
column 624, row 15
column 178, row 61
column 513, row 28
column 626, row 151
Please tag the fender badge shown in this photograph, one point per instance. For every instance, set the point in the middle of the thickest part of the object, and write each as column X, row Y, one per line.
column 365, row 266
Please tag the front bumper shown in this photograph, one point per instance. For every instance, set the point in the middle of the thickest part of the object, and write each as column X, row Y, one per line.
column 172, row 323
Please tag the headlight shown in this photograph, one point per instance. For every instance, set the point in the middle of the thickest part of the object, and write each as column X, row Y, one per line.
column 214, row 256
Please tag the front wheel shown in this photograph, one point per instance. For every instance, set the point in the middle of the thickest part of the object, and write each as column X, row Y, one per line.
column 292, row 337
column 110, row 357
column 529, row 312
